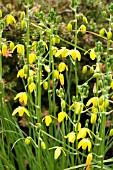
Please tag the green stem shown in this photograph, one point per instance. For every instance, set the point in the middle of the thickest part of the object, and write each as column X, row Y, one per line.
column 1, row 86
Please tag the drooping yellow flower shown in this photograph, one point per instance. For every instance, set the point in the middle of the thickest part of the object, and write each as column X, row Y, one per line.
column 77, row 107
column 56, row 74
column 88, row 161
column 83, row 132
column 61, row 77
column 47, row 119
column 62, row 66
column 84, row 143
column 32, row 87
column 21, row 73
column 20, row 49
column 27, row 140
column 22, row 97
column 61, row 52
column 71, row 137
column 20, row 110
column 4, row 49
column 61, row 116
column 57, row 152
column 32, row 58
column 10, row 19
column 93, row 54
column 93, row 118
column 93, row 100
column 75, row 54
column 111, row 132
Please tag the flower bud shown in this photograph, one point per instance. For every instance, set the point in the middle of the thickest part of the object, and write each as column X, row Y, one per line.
column 36, row 12
column 85, row 20
column 57, row 153
column 111, row 132
column 47, row 69
column 61, row 77
column 56, row 74
column 102, row 32
column 43, row 146
column 22, row 15
column 69, row 27
column 83, row 29
column 0, row 13
column 109, row 35
column 25, row 68
column 96, row 75
column 93, row 118
column 63, row 103
column 27, row 140
column 11, row 45
column 45, row 85
column 23, row 24
column 4, row 49
column 84, row 70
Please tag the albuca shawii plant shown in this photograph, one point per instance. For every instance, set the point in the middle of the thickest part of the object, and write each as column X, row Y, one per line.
column 59, row 139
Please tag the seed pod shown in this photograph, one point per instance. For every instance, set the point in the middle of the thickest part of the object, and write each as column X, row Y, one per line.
column 109, row 35
column 69, row 27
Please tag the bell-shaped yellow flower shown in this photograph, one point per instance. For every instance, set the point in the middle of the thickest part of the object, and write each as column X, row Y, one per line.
column 84, row 143
column 4, row 49
column 62, row 66
column 62, row 52
column 93, row 54
column 61, row 77
column 57, row 152
column 83, row 132
column 75, row 54
column 32, row 87
column 71, row 137
column 88, row 161
column 56, row 74
column 61, row 116
column 10, row 19
column 47, row 119
column 22, row 97
column 32, row 58
column 21, row 73
column 20, row 110
column 93, row 118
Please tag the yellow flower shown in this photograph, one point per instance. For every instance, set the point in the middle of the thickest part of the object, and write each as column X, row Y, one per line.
column 20, row 110
column 83, row 29
column 111, row 132
column 45, row 85
column 71, row 137
column 61, row 52
column 33, row 45
column 22, row 97
column 62, row 66
column 21, row 73
column 93, row 100
column 61, row 116
column 27, row 140
column 10, row 19
column 0, row 13
column 75, row 54
column 83, row 132
column 88, row 161
column 4, row 49
column 32, row 57
column 56, row 74
column 93, row 54
column 57, row 152
column 84, row 143
column 11, row 46
column 32, row 87
column 20, row 49
column 54, row 50
column 61, row 77
column 111, row 85
column 93, row 118
column 47, row 119
column 47, row 69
